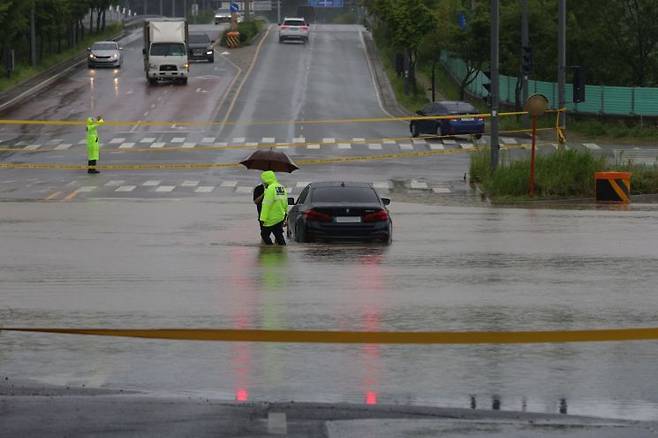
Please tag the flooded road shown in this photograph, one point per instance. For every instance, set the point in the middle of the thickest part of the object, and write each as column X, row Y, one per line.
column 195, row 263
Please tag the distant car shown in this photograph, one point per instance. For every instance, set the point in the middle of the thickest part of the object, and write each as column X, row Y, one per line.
column 200, row 47
column 339, row 211
column 222, row 16
column 294, row 29
column 443, row 127
column 104, row 54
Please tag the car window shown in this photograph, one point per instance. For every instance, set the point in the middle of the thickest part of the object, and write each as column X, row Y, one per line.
column 199, row 38
column 344, row 194
column 167, row 49
column 303, row 195
column 294, row 23
column 104, row 46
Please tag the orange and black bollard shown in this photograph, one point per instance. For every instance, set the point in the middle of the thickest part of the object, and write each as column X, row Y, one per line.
column 613, row 186
column 232, row 40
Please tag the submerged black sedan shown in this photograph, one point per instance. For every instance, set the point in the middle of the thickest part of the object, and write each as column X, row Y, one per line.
column 345, row 211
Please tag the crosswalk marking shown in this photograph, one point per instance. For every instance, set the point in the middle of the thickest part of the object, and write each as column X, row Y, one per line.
column 239, row 139
column 417, row 141
column 436, row 147
column 467, row 146
column 116, row 140
column 189, row 145
column 84, row 141
column 151, row 183
column 204, row 189
column 328, row 140
column 344, row 146
column 165, row 189
column 54, row 141
column 126, row 145
column 406, row 146
column 592, row 146
column 282, row 147
column 147, row 140
column 449, row 141
column 382, row 185
column 299, row 140
column 251, row 144
column 268, row 140
column 243, row 189
column 208, row 140
column 374, row 146
column 125, row 188
column 32, row 147
column 222, row 144
column 313, row 146
column 358, row 140
column 157, row 145
column 114, row 183
column 178, row 140
column 228, row 184
column 509, row 140
column 441, row 190
column 190, row 183
column 63, row 146
column 86, row 189
column 418, row 185
column 388, row 141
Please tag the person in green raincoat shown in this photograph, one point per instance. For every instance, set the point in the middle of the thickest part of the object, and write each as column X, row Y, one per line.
column 93, row 143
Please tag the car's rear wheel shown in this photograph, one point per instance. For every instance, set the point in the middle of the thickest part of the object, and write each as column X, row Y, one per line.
column 300, row 234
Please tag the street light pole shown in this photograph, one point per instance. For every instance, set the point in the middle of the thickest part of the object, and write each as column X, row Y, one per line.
column 562, row 59
column 495, row 41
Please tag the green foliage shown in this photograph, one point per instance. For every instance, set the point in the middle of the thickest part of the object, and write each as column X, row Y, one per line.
column 644, row 179
column 248, row 31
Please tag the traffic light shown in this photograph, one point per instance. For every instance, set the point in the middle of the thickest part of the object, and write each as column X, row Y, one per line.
column 526, row 60
column 578, row 84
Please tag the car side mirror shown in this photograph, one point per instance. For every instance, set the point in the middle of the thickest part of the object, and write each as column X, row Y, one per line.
column 291, row 201
column 386, row 201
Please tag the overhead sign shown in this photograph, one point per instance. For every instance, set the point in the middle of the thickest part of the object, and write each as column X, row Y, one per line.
column 234, row 7
column 326, row 3
column 261, row 5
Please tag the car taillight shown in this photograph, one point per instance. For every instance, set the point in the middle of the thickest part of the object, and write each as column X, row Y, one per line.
column 377, row 216
column 480, row 119
column 284, row 27
column 304, row 27
column 314, row 215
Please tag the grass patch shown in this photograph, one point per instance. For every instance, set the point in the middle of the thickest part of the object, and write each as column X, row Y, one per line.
column 24, row 72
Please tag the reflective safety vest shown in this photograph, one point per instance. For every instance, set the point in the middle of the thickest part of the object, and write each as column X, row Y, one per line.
column 275, row 201
column 93, row 142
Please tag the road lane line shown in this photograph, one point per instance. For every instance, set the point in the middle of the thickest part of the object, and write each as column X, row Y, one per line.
column 204, row 189
column 344, row 146
column 188, row 183
column 441, row 190
column 126, row 145
column 228, row 184
column 63, row 146
column 165, row 189
column 52, row 196
column 151, row 183
column 125, row 188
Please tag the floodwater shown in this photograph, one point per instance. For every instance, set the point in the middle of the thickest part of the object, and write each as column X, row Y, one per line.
column 192, row 263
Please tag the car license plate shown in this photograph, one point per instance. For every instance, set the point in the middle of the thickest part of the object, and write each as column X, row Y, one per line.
column 348, row 219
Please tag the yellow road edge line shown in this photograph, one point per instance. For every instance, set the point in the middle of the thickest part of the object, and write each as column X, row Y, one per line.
column 357, row 337
column 70, row 196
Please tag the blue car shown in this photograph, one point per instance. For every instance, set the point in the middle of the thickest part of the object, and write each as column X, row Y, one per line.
column 448, row 127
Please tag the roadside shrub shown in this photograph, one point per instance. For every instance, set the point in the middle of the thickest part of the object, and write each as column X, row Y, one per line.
column 248, row 30
column 644, row 179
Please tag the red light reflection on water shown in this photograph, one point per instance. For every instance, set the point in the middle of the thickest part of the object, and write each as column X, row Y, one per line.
column 371, row 398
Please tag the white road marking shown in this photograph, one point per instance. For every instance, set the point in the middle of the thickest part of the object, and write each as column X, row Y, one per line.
column 114, row 183
column 358, row 140
column 178, row 140
column 243, row 189
column 190, row 183
column 125, row 188
column 313, row 146
column 208, row 140
column 418, row 185
column 328, row 140
column 239, row 140
column 299, row 140
column 115, row 140
column 228, row 184
column 389, row 141
column 382, row 185
column 406, row 146
column 467, row 146
column 221, row 144
column 251, row 144
column 268, row 140
column 283, row 147
column 32, row 147
column 441, row 190
column 449, row 141
column 126, row 145
column 84, row 141
column 198, row 90
column 165, row 189
column 151, row 182
column 58, row 140
column 63, row 146
column 189, row 145
column 204, row 189
column 344, row 146
column 436, row 147
column 302, row 184
column 508, row 140
column 416, row 141
column 592, row 146
column 147, row 140
column 374, row 146
column 86, row 189
column 157, row 145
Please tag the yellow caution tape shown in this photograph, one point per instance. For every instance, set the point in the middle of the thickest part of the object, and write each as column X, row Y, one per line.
column 353, row 337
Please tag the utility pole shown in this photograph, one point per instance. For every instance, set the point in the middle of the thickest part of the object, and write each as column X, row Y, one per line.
column 495, row 60
column 525, row 42
column 562, row 59
column 33, row 36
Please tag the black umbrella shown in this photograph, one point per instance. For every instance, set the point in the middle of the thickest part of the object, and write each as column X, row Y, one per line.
column 269, row 160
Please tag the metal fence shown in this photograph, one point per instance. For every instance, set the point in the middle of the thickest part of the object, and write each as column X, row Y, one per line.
column 600, row 99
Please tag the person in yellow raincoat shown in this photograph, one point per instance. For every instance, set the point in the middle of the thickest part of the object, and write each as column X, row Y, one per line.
column 93, row 143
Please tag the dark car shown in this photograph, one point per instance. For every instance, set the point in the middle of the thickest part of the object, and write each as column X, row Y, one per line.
column 339, row 211
column 201, row 47
column 446, row 127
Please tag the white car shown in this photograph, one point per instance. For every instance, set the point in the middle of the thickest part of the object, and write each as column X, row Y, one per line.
column 294, row 29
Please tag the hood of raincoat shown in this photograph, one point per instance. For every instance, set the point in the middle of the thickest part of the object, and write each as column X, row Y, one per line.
column 268, row 177
column 90, row 121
